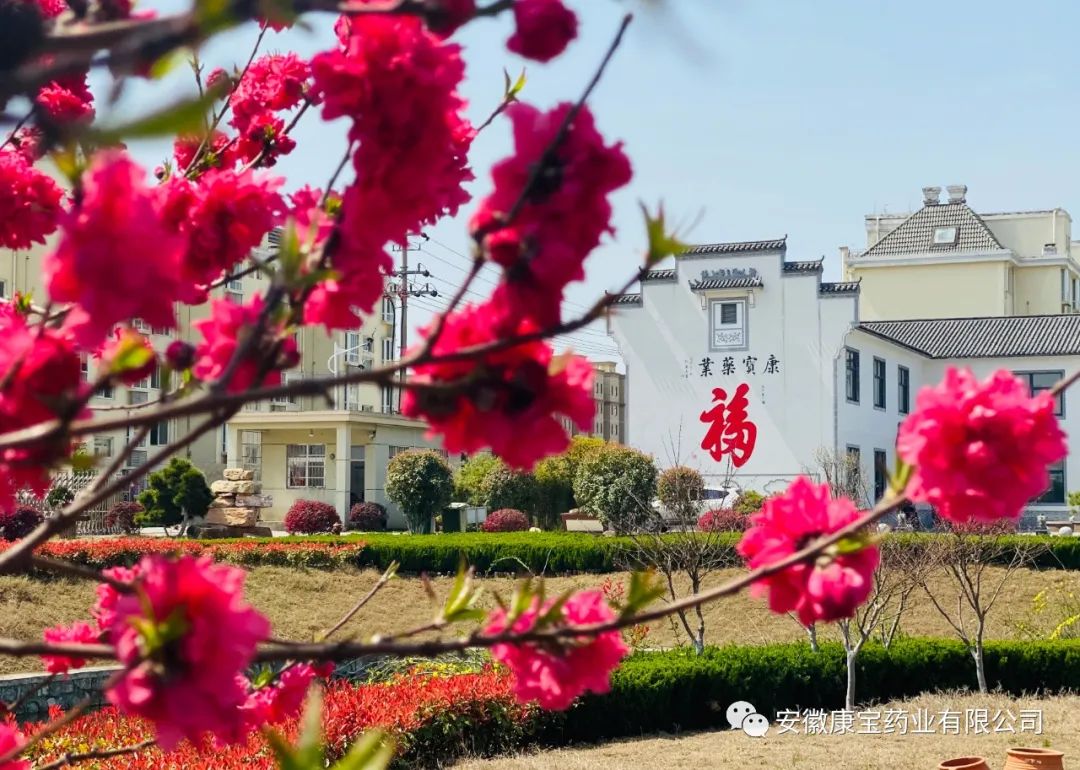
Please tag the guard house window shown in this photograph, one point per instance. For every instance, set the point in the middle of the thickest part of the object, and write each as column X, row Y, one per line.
column 306, row 465
column 1037, row 382
column 727, row 324
column 879, row 383
column 946, row 236
column 851, row 369
column 880, row 464
column 1055, row 493
column 903, row 389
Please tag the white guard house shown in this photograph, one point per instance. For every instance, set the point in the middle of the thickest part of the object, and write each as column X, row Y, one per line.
column 747, row 367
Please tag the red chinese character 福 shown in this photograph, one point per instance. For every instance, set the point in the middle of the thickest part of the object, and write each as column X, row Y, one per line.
column 729, row 433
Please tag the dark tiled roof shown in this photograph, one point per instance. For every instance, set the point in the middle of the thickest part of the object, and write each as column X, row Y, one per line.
column 659, row 275
column 839, row 287
column 1033, row 335
column 915, row 235
column 812, row 266
column 627, row 299
column 726, row 283
column 740, row 247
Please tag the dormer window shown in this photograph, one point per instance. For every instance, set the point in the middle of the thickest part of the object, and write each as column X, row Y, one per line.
column 946, row 236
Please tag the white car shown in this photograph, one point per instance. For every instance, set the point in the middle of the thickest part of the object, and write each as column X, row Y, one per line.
column 713, row 497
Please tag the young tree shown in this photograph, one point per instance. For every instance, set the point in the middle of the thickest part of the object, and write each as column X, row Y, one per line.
column 979, row 561
column 555, row 476
column 901, row 570
column 470, row 477
column 680, row 490
column 506, row 488
column 175, row 494
column 419, row 481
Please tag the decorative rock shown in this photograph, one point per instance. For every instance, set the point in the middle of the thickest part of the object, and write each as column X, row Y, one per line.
column 255, row 501
column 210, row 531
column 223, row 501
column 233, row 517
column 234, row 488
column 239, row 474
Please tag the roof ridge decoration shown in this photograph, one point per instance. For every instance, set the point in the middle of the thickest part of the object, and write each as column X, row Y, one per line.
column 839, row 287
column 984, row 337
column 706, row 284
column 916, row 233
column 659, row 275
column 736, row 247
column 804, row 266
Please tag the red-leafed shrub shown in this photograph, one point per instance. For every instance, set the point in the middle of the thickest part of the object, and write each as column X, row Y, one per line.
column 435, row 719
column 251, row 552
column 122, row 516
column 722, row 520
column 505, row 520
column 367, row 517
column 19, row 522
column 311, row 516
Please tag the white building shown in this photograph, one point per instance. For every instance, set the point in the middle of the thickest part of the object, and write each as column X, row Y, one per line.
column 744, row 365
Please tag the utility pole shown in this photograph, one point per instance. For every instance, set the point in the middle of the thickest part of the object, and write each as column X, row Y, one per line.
column 403, row 288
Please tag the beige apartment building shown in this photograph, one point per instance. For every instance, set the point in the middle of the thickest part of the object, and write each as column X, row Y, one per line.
column 609, row 394
column 299, row 447
column 947, row 261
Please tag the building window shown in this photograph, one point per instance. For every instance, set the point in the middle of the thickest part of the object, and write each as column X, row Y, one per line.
column 389, row 310
column 251, row 451
column 159, row 434
column 234, row 291
column 306, row 465
column 103, row 446
column 1055, row 493
column 1037, row 382
column 352, row 396
column 105, row 391
column 903, row 389
column 946, row 236
column 880, row 465
column 394, row 451
column 853, row 469
column 387, row 394
column 84, row 370
column 879, row 383
column 352, row 348
column 3, row 289
column 388, row 349
column 727, row 324
column 155, row 378
column 851, row 369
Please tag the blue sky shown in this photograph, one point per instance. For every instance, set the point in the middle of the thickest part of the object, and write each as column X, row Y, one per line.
column 759, row 119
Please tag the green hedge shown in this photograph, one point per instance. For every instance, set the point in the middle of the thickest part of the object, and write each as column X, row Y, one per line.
column 678, row 690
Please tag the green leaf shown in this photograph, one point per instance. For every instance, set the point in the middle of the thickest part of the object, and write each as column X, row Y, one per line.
column 849, row 545
column 130, row 354
column 309, row 752
column 645, row 588
column 661, row 243
column 184, row 116
column 511, row 90
column 169, row 62
column 462, row 597
column 899, row 479
column 373, row 751
column 83, row 461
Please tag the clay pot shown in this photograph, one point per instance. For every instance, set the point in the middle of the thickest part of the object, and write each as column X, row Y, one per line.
column 965, row 763
column 1033, row 759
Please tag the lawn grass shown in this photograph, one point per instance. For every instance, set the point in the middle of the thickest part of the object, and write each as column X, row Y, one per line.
column 734, row 749
column 300, row 603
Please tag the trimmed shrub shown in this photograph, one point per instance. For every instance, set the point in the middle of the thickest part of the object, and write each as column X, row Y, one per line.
column 617, row 485
column 679, row 489
column 311, row 516
column 59, row 496
column 667, row 691
column 722, row 520
column 367, row 517
column 419, row 481
column 124, row 516
column 505, row 520
column 176, row 488
column 749, row 502
column 470, row 477
column 555, row 479
column 507, row 488
column 19, row 522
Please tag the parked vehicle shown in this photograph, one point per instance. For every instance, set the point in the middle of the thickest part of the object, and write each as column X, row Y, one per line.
column 713, row 497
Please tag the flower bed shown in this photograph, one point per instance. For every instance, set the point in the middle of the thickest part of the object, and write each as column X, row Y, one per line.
column 249, row 552
column 433, row 718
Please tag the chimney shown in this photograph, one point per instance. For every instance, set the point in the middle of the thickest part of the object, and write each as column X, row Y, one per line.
column 931, row 196
column 957, row 193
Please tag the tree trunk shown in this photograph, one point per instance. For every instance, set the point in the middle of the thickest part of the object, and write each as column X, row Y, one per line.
column 849, row 697
column 811, row 632
column 977, row 652
column 699, row 638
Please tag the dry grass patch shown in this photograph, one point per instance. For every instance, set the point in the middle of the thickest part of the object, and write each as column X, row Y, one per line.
column 817, row 752
column 301, row 603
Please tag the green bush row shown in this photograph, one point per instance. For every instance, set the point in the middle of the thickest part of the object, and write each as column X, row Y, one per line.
column 678, row 690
